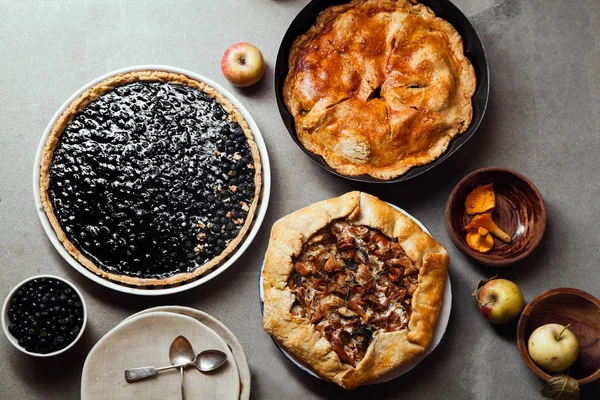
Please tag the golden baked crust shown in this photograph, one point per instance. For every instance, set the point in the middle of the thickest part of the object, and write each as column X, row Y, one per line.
column 377, row 87
column 387, row 350
column 92, row 94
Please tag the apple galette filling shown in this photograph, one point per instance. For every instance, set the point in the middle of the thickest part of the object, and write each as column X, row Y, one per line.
column 352, row 282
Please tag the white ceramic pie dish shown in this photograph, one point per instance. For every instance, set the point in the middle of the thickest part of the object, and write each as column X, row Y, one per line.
column 258, row 218
column 440, row 328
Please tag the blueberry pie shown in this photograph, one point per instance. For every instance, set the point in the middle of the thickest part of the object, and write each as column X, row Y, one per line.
column 377, row 87
column 150, row 178
column 352, row 287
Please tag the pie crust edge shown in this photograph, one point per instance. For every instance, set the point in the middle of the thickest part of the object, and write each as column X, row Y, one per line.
column 388, row 350
column 92, row 94
column 466, row 79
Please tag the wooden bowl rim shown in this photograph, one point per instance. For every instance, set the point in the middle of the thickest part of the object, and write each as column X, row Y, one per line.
column 525, row 317
column 482, row 257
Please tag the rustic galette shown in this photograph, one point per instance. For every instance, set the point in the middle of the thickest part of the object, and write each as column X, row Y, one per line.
column 377, row 87
column 352, row 288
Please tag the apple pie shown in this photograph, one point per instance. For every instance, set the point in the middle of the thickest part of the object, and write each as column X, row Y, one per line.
column 377, row 87
column 353, row 288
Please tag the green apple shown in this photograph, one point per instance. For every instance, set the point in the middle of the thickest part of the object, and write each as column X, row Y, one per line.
column 500, row 301
column 553, row 347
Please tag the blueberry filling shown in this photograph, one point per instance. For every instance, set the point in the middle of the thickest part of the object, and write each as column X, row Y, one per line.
column 46, row 315
column 152, row 179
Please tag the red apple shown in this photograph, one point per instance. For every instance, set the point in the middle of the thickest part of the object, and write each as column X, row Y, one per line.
column 243, row 64
column 500, row 301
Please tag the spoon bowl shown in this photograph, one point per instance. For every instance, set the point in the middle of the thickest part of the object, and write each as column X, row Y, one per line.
column 181, row 351
column 209, row 360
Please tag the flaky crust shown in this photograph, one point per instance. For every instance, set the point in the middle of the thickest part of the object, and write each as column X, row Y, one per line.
column 377, row 87
column 92, row 94
column 388, row 350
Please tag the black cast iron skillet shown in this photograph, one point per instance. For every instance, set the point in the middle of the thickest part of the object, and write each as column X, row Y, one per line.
column 442, row 8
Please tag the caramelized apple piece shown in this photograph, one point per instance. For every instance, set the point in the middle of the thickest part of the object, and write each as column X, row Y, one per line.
column 481, row 199
column 485, row 221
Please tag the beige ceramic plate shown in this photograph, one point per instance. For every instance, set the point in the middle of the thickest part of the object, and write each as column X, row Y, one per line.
column 144, row 341
column 221, row 330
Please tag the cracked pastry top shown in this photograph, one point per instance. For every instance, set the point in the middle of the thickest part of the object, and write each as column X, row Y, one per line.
column 377, row 87
column 353, row 288
column 150, row 178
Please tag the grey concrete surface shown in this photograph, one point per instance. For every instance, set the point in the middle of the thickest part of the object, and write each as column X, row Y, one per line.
column 542, row 120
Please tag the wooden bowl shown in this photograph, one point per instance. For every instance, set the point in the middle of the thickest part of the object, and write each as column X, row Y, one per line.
column 520, row 211
column 565, row 306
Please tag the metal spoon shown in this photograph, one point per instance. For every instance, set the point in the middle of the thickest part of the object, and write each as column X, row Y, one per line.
column 209, row 360
column 181, row 352
column 205, row 361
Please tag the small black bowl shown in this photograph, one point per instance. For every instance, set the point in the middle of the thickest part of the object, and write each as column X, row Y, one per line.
column 442, row 8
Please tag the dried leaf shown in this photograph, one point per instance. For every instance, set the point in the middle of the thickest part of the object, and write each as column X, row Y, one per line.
column 561, row 387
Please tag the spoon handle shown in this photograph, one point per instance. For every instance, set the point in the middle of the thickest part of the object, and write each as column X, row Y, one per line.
column 182, row 391
column 136, row 374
